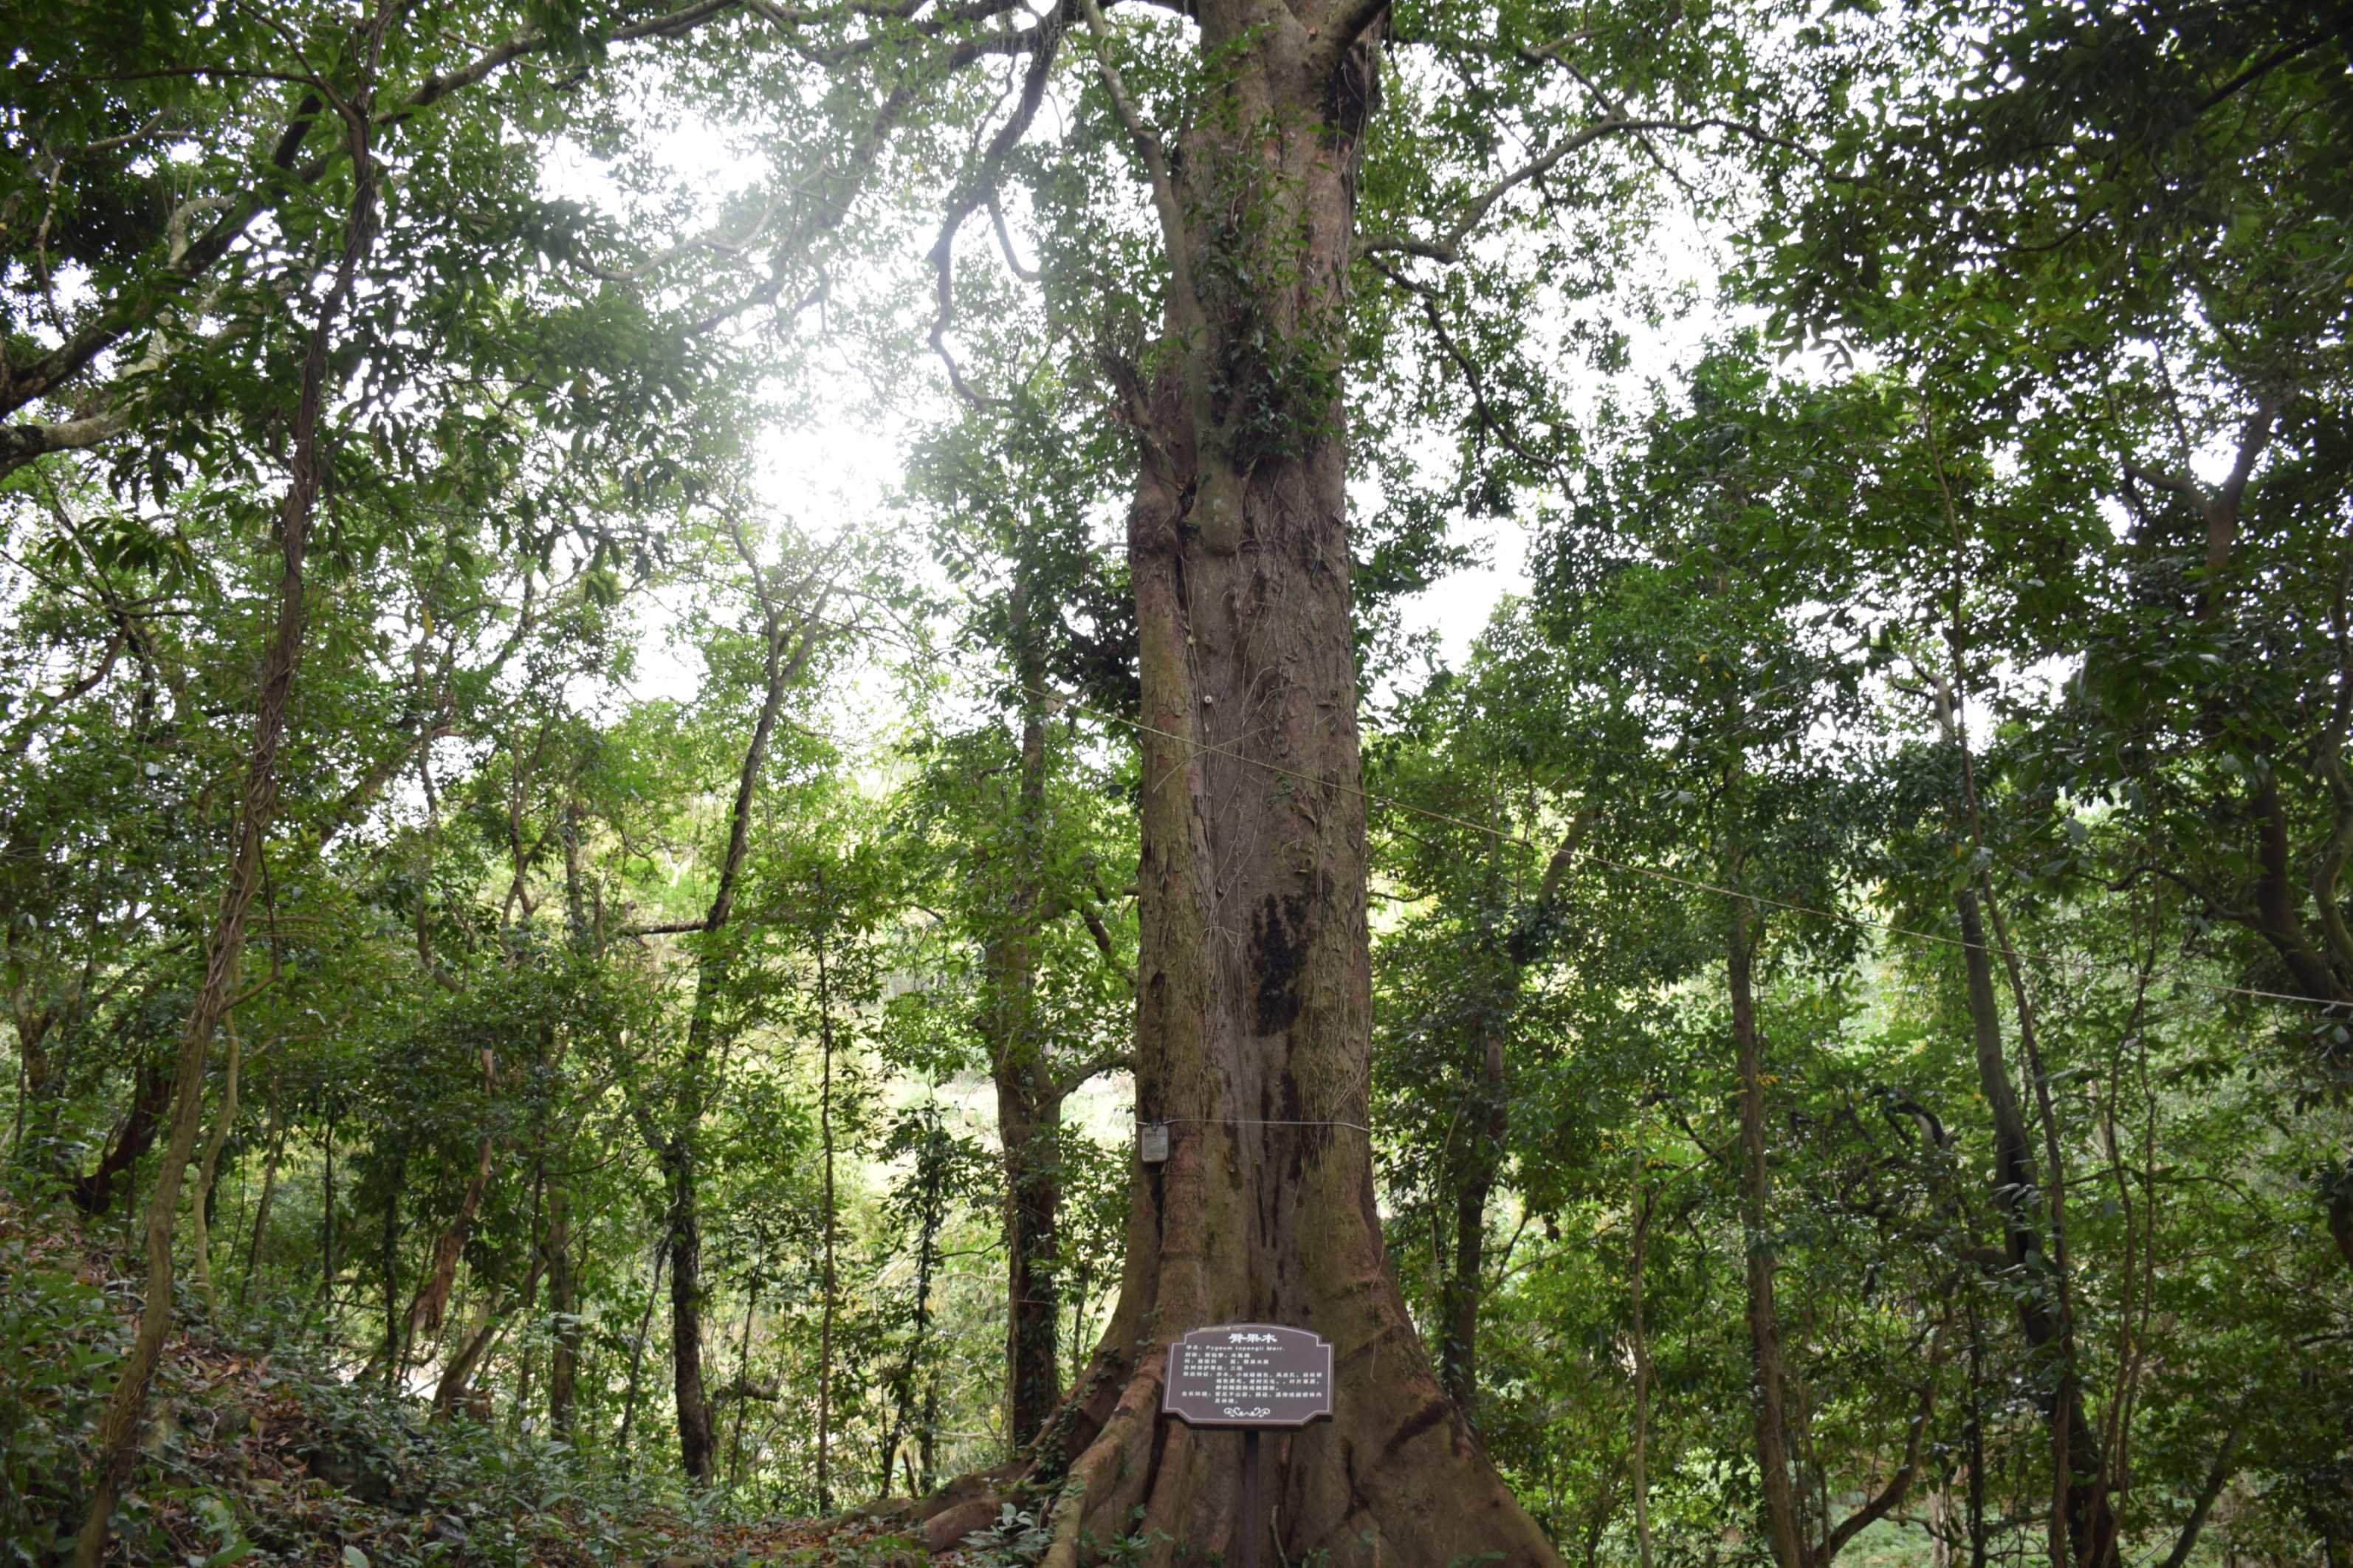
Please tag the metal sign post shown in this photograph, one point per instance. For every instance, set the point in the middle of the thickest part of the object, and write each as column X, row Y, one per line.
column 1252, row 1376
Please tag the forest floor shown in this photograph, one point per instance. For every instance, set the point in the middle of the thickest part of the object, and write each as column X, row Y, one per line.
column 261, row 1449
column 258, row 1449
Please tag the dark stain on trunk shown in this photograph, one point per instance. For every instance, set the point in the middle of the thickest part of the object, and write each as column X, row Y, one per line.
column 1277, row 942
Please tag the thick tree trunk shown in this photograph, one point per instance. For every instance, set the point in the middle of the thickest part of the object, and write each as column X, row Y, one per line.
column 1254, row 998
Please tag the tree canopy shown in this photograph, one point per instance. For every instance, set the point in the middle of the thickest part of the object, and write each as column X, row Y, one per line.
column 1666, row 686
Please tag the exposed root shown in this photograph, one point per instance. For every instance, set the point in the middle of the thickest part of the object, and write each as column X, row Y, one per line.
column 1108, row 1478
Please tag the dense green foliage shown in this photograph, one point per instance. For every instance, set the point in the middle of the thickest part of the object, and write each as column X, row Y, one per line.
column 1881, row 883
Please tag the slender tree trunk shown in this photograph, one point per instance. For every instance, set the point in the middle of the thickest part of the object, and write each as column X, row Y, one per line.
column 1029, row 1100
column 791, row 641
column 1504, row 958
column 1642, row 1200
column 327, row 1214
column 2083, row 1521
column 454, row 1390
column 276, row 1144
column 118, row 1433
column 440, row 1275
column 829, row 1282
column 1253, row 1006
column 931, row 1217
column 392, row 1353
column 1030, row 1116
column 151, row 1096
column 1783, row 1527
column 638, row 1355
column 200, row 1228
column 1461, row 1293
column 1976, row 1438
column 696, row 1439
column 927, row 1433
column 527, row 1358
column 564, row 1307
column 742, row 1389
column 563, row 1279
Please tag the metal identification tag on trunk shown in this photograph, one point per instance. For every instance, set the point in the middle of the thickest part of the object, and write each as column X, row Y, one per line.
column 1248, row 1375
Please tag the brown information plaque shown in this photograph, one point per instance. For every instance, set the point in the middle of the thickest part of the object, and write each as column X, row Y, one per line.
column 1248, row 1375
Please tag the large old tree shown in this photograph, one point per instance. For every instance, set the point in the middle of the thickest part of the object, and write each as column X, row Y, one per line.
column 1253, row 982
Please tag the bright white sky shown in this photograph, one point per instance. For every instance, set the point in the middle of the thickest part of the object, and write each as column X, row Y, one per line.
column 841, row 465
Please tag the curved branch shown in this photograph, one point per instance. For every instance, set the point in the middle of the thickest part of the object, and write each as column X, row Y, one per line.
column 1447, row 248
column 979, row 187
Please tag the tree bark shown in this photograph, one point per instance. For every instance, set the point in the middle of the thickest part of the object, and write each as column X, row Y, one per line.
column 118, row 1434
column 1254, row 998
column 327, row 1212
column 562, row 1275
column 440, row 1276
column 697, row 1439
column 1029, row 1117
column 1503, row 960
column 638, row 1355
column 150, row 1097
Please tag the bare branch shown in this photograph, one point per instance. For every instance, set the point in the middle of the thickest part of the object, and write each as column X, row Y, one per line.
column 1447, row 248
column 1488, row 419
column 1892, row 1495
column 2162, row 480
column 1005, row 244
column 979, row 186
